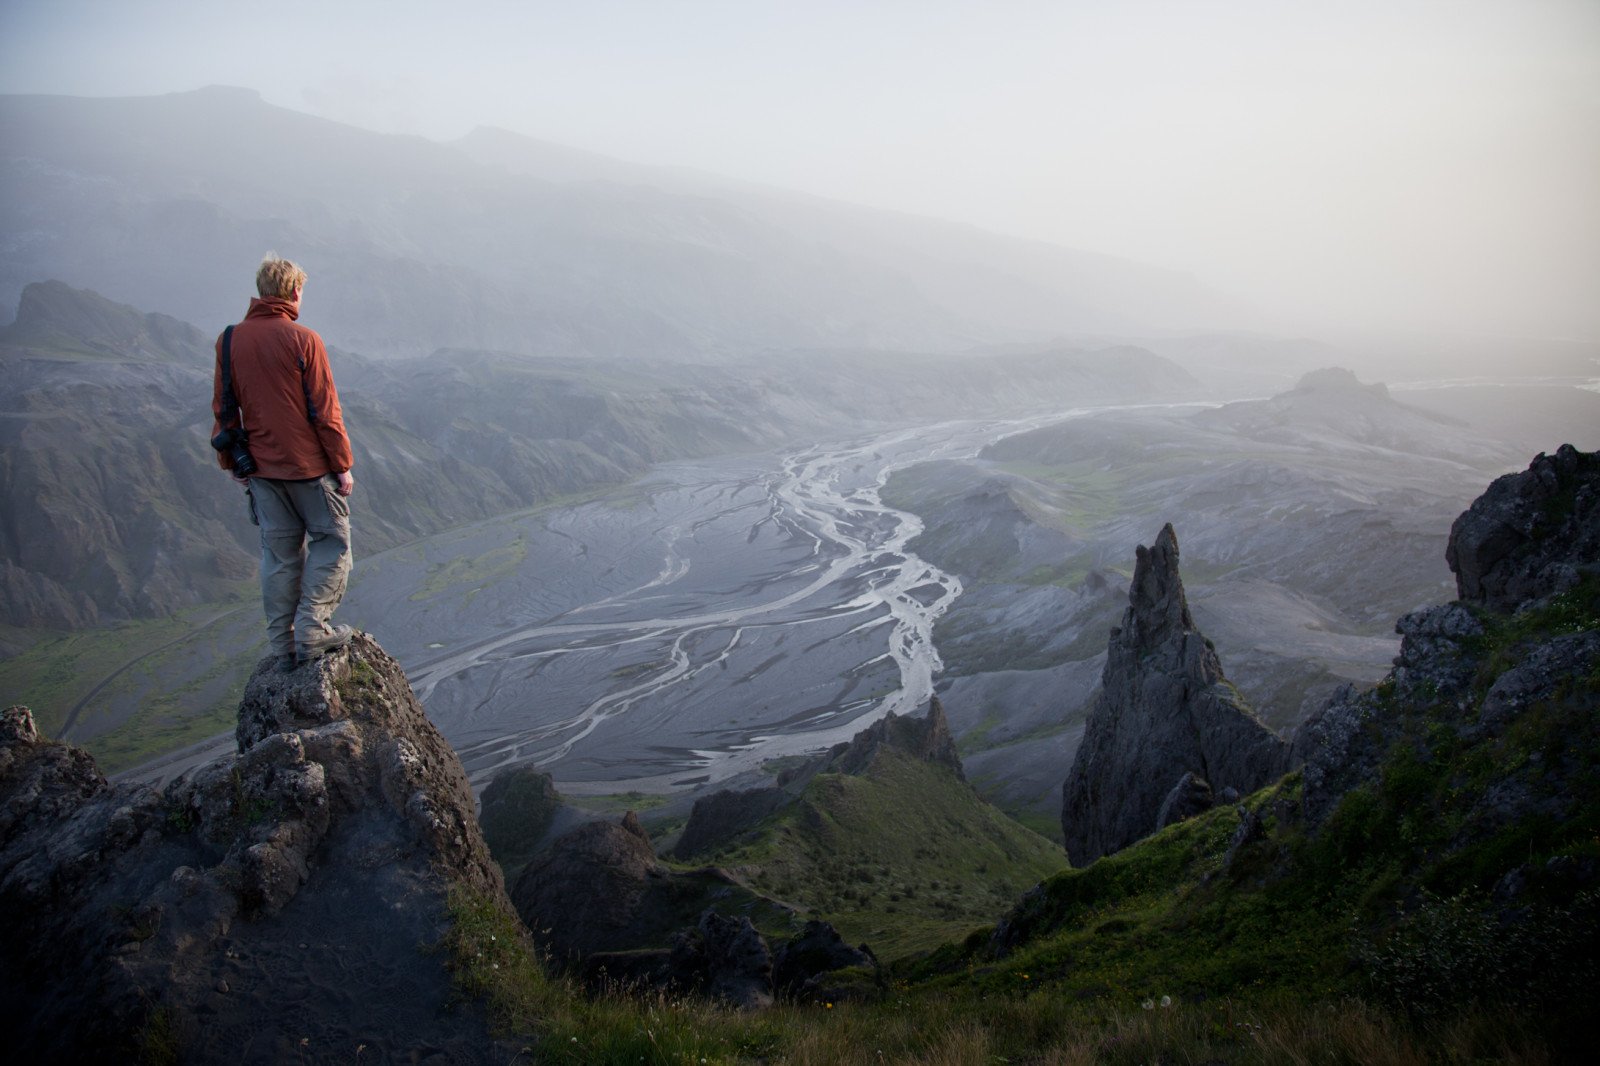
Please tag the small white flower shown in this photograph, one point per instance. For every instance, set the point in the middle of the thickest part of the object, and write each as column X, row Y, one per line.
column 1149, row 1004
column 1166, row 1001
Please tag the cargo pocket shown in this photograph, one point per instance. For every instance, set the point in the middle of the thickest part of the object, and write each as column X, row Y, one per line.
column 339, row 505
column 338, row 508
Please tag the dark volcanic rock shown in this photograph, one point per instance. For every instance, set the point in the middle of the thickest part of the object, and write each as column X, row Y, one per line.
column 1531, row 534
column 726, row 959
column 927, row 738
column 517, row 810
column 584, row 894
column 719, row 819
column 819, row 949
column 1165, row 709
column 1189, row 797
column 306, row 877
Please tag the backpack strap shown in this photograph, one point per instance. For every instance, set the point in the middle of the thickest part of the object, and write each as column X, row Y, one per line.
column 230, row 404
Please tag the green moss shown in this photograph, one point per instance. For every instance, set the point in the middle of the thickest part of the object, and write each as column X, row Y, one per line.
column 491, row 959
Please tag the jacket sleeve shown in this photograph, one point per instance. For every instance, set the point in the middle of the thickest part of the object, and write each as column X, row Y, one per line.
column 224, row 460
column 322, row 408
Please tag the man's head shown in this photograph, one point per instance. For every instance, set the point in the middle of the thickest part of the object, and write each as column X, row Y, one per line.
column 279, row 277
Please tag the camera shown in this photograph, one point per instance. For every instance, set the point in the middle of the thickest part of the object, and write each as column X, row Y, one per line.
column 236, row 442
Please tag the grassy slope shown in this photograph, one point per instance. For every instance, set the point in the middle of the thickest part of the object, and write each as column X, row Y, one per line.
column 903, row 857
column 182, row 680
column 1391, row 898
column 1374, row 939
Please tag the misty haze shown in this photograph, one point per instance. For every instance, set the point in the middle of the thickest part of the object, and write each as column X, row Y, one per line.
column 1099, row 513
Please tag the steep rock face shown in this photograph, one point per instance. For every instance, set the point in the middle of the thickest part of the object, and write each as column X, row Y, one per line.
column 1165, row 710
column 1531, row 534
column 303, row 879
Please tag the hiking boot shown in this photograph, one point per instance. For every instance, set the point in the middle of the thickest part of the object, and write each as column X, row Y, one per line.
column 320, row 645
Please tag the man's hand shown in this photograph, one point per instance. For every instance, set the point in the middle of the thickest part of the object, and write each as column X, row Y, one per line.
column 237, row 479
column 347, row 483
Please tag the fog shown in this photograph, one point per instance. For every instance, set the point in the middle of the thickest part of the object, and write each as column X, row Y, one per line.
column 1372, row 166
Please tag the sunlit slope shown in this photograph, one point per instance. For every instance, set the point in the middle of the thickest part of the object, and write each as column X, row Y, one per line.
column 904, row 856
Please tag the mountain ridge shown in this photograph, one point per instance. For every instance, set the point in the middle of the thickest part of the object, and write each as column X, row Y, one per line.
column 414, row 245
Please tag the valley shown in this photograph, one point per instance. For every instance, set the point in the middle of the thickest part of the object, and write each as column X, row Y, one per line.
column 668, row 637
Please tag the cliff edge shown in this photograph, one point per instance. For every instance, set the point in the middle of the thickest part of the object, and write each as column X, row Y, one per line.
column 283, row 902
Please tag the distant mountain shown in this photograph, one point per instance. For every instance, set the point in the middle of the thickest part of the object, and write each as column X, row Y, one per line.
column 1330, row 410
column 501, row 242
column 115, row 508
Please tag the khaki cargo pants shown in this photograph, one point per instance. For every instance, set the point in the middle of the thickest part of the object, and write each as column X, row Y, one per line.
column 305, row 555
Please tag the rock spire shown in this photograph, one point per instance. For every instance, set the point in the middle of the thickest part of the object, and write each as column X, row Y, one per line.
column 1166, row 711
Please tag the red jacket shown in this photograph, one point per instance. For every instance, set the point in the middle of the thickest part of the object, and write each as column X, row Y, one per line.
column 285, row 390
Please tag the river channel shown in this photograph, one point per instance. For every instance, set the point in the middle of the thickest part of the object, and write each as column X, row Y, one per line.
column 680, row 631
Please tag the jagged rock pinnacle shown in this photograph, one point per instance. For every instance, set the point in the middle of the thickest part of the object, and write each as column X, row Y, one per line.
column 1156, row 603
column 1166, row 710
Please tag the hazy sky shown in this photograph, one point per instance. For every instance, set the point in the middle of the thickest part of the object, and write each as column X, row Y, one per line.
column 1416, row 163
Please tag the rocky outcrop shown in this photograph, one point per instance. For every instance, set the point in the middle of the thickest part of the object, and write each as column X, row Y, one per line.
column 304, row 879
column 927, row 738
column 1532, row 534
column 818, row 950
column 725, row 959
column 518, row 808
column 721, row 818
column 1165, row 710
column 724, row 817
column 586, row 892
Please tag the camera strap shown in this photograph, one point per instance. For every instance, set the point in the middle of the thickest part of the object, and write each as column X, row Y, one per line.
column 230, row 404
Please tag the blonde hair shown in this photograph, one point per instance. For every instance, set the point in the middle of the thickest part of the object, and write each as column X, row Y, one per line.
column 278, row 277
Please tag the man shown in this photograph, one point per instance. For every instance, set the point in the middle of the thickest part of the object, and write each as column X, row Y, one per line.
column 298, row 492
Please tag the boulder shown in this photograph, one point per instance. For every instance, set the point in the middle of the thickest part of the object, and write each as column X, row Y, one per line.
column 1531, row 534
column 517, row 810
column 1189, row 797
column 819, row 949
column 586, row 892
column 726, row 959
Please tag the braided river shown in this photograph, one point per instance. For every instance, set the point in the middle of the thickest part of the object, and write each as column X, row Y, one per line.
column 681, row 631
